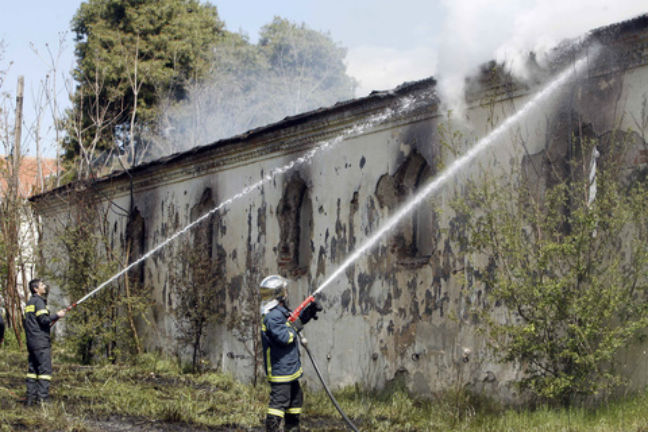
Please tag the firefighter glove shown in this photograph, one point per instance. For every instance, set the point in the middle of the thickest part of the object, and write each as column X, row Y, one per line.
column 310, row 312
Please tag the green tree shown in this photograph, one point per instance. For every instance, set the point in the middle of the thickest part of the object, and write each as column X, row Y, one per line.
column 198, row 285
column 307, row 67
column 569, row 266
column 230, row 100
column 129, row 53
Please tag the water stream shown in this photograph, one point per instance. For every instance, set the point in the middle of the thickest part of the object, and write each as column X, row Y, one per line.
column 403, row 106
column 459, row 164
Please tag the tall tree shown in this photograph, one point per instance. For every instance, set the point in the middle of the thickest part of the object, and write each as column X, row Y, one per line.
column 307, row 67
column 12, row 205
column 129, row 52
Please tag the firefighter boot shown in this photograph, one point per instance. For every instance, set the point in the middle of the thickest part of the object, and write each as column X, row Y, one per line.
column 32, row 391
column 273, row 423
column 292, row 422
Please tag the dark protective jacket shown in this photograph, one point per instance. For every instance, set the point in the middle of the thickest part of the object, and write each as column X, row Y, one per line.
column 38, row 320
column 280, row 346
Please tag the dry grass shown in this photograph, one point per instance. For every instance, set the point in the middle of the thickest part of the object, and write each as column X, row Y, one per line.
column 155, row 394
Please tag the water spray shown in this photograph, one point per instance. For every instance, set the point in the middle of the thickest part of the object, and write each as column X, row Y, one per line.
column 403, row 106
column 436, row 183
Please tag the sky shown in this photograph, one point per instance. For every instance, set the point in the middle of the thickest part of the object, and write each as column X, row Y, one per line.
column 388, row 41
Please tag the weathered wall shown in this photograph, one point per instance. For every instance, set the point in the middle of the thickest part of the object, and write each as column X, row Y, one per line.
column 402, row 311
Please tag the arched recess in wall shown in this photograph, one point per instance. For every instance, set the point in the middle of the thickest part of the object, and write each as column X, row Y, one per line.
column 202, row 235
column 570, row 157
column 207, row 257
column 414, row 239
column 568, row 150
column 135, row 244
column 295, row 216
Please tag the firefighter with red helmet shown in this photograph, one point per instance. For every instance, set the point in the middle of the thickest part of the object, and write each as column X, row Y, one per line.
column 281, row 359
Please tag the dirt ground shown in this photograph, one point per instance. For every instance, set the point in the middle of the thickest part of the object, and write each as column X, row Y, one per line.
column 123, row 424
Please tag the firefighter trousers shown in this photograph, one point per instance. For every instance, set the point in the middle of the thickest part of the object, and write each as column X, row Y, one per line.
column 39, row 374
column 286, row 400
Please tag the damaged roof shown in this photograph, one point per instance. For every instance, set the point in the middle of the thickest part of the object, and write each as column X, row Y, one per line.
column 491, row 77
column 380, row 98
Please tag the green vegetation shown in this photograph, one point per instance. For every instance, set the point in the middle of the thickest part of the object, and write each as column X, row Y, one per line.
column 565, row 262
column 154, row 392
column 104, row 328
column 128, row 52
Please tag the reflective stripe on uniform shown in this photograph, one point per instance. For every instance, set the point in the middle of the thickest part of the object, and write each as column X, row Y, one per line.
column 291, row 325
column 30, row 308
column 41, row 312
column 275, row 412
column 45, row 377
column 293, row 411
column 285, row 378
column 280, row 378
column 32, row 376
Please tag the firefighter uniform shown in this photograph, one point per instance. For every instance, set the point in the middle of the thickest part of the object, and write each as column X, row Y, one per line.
column 38, row 320
column 283, row 368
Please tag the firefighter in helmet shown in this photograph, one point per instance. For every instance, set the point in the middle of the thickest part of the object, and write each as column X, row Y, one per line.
column 280, row 342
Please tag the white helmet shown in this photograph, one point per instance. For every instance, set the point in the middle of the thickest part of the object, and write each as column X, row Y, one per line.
column 273, row 291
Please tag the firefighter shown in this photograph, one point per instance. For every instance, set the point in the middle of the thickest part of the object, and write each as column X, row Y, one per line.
column 280, row 342
column 38, row 320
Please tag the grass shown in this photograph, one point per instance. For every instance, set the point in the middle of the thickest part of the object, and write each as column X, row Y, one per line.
column 156, row 394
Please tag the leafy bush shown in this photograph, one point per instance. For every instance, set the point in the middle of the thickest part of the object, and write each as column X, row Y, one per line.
column 568, row 265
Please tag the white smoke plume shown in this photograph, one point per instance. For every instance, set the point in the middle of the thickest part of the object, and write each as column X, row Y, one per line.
column 476, row 31
column 244, row 91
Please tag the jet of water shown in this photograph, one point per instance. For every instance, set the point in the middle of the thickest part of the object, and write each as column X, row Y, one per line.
column 403, row 106
column 456, row 166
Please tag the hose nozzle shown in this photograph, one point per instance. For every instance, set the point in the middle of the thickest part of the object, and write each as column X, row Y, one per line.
column 295, row 314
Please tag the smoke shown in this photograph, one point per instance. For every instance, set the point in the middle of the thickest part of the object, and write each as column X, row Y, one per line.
column 451, row 45
column 248, row 88
column 476, row 31
column 542, row 26
column 472, row 30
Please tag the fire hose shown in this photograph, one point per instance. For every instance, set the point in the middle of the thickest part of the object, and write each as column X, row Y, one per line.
column 293, row 317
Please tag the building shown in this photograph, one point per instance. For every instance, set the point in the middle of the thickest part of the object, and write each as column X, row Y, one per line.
column 401, row 311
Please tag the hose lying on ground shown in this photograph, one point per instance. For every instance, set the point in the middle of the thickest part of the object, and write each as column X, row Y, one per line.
column 328, row 391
